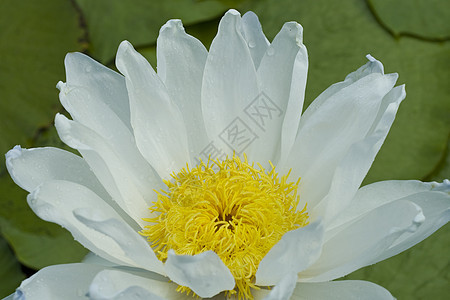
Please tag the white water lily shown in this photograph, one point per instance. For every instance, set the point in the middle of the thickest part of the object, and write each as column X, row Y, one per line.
column 205, row 132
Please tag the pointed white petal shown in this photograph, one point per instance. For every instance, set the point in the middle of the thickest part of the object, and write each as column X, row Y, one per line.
column 181, row 60
column 229, row 79
column 115, row 174
column 254, row 36
column 373, row 66
column 55, row 201
column 361, row 242
column 326, row 134
column 132, row 244
column 106, row 87
column 375, row 195
column 436, row 211
column 116, row 284
column 284, row 288
column 58, row 282
column 341, row 290
column 205, row 274
column 86, row 108
column 31, row 167
column 433, row 198
column 157, row 122
column 295, row 252
column 280, row 112
column 354, row 166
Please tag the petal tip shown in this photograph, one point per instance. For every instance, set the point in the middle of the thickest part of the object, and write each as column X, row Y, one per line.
column 14, row 153
column 199, row 272
column 251, row 15
column 294, row 30
column 232, row 12
column 232, row 18
column 171, row 26
column 60, row 85
column 124, row 47
column 371, row 58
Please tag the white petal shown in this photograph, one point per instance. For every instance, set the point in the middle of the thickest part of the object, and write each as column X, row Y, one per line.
column 31, row 167
column 377, row 194
column 361, row 242
column 351, row 171
column 115, row 174
column 116, row 284
column 157, row 122
column 295, row 252
column 94, row 259
column 284, row 288
column 68, row 282
column 254, row 36
column 86, row 108
column 325, row 135
column 433, row 198
column 131, row 293
column 229, row 80
column 105, row 86
column 287, row 58
column 436, row 211
column 132, row 244
column 55, row 201
column 205, row 274
column 181, row 60
column 372, row 66
column 341, row 290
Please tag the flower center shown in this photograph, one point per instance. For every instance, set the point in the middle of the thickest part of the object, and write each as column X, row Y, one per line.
column 238, row 211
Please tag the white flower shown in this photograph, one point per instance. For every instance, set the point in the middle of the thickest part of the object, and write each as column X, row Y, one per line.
column 243, row 99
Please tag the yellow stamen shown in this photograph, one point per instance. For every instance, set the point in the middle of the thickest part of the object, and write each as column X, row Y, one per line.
column 238, row 211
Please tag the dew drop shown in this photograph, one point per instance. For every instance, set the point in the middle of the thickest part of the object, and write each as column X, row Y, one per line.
column 270, row 51
column 88, row 69
column 252, row 44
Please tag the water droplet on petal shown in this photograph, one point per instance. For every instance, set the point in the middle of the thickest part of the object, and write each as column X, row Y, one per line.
column 270, row 51
column 252, row 44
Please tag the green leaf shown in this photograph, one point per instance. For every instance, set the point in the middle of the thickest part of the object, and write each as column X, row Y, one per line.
column 442, row 170
column 34, row 38
column 111, row 21
column 10, row 273
column 426, row 19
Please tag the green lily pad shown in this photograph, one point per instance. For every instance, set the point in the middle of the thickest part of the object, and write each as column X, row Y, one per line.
column 35, row 36
column 111, row 21
column 426, row 19
column 442, row 170
column 10, row 272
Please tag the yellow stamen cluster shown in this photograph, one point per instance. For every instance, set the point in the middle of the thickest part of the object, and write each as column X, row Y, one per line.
column 230, row 207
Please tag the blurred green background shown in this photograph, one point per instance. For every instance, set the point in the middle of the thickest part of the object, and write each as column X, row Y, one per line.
column 409, row 37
